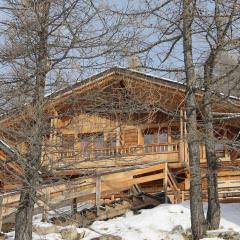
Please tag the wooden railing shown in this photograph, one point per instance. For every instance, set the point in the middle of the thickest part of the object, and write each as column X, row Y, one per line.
column 120, row 151
column 220, row 152
column 87, row 188
column 172, row 182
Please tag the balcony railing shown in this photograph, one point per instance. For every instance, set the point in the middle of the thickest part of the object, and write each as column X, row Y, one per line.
column 119, row 151
column 114, row 152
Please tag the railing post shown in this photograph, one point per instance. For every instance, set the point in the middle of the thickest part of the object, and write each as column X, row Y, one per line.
column 98, row 193
column 118, row 137
column 46, row 206
column 181, row 143
column 165, row 182
column 74, row 206
column 1, row 212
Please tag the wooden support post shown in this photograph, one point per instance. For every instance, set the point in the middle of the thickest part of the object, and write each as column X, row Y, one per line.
column 74, row 206
column 165, row 181
column 98, row 193
column 183, row 199
column 185, row 138
column 169, row 136
column 1, row 212
column 118, row 137
column 140, row 136
column 181, row 143
column 46, row 206
column 53, row 139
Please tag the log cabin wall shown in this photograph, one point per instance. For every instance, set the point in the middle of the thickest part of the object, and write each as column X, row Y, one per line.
column 114, row 143
column 162, row 139
column 124, row 142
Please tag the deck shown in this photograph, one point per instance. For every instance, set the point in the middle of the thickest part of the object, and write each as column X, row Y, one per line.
column 115, row 157
column 95, row 188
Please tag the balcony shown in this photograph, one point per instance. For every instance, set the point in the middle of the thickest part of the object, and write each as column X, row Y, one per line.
column 121, row 151
column 114, row 156
column 124, row 156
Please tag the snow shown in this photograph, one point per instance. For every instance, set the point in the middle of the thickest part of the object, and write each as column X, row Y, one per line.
column 152, row 224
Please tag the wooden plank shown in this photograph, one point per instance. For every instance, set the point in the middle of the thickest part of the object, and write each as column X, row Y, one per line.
column 165, row 181
column 87, row 188
column 46, row 206
column 74, row 206
column 98, row 193
column 127, row 183
column 1, row 212
column 228, row 173
column 132, row 173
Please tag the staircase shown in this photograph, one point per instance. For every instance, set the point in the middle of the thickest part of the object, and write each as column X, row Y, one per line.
column 173, row 190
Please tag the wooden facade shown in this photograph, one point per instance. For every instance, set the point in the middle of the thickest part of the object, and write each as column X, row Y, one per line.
column 123, row 118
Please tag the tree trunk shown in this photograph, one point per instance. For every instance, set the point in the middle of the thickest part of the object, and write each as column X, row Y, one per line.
column 198, row 222
column 24, row 215
column 213, row 213
column 23, row 228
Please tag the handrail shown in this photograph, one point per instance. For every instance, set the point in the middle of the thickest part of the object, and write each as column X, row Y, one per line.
column 85, row 187
column 120, row 151
column 172, row 181
column 173, row 185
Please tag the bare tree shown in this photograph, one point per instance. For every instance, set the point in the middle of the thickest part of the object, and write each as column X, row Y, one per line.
column 41, row 39
column 197, row 215
column 217, row 30
column 208, row 29
column 173, row 23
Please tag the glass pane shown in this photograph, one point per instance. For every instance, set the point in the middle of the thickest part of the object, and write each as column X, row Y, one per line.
column 98, row 141
column 175, row 133
column 162, row 135
column 84, row 140
column 149, row 136
column 68, row 141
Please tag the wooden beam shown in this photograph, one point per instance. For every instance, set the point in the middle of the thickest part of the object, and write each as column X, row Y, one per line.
column 1, row 212
column 181, row 143
column 74, row 206
column 98, row 193
column 186, row 159
column 118, row 137
column 165, row 181
column 140, row 136
column 46, row 206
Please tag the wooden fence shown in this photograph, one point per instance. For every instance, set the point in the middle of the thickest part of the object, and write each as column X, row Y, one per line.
column 93, row 188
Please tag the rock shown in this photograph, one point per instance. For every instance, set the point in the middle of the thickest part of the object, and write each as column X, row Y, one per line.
column 213, row 233
column 230, row 235
column 187, row 234
column 44, row 228
column 174, row 236
column 177, row 229
column 107, row 237
column 70, row 233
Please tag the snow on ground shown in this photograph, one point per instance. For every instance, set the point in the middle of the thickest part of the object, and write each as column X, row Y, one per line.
column 151, row 224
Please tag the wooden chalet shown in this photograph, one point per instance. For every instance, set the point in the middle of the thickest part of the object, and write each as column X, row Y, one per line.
column 122, row 119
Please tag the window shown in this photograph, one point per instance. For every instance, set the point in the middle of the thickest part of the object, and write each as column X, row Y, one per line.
column 111, row 140
column 90, row 141
column 98, row 140
column 84, row 141
column 155, row 136
column 162, row 135
column 175, row 134
column 68, row 141
column 149, row 136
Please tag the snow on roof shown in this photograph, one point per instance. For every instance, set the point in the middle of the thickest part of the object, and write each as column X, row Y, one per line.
column 112, row 70
column 155, row 76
